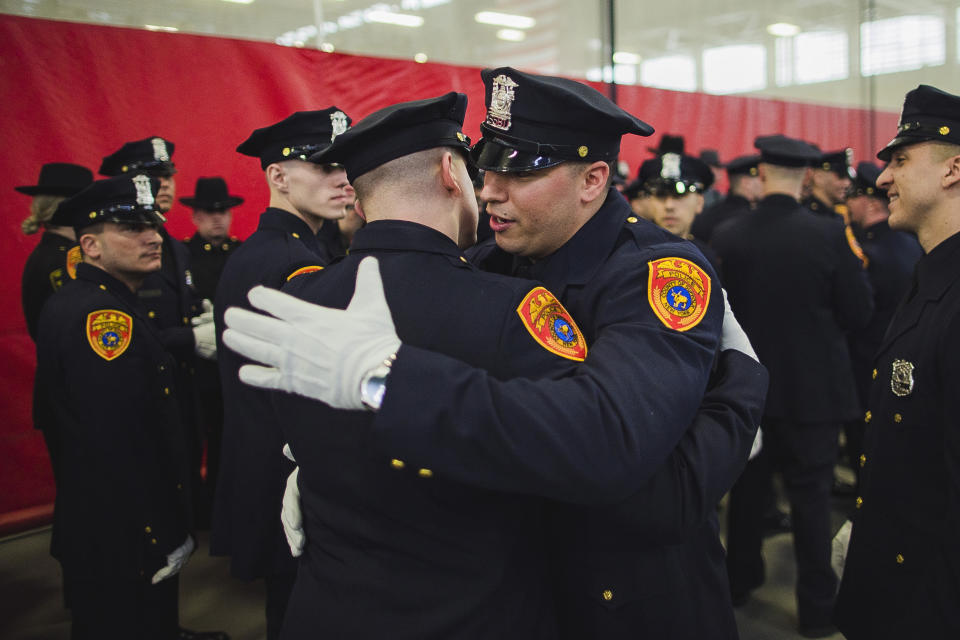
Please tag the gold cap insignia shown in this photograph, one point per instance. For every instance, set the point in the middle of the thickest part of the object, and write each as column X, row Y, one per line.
column 286, row 151
column 944, row 130
column 582, row 151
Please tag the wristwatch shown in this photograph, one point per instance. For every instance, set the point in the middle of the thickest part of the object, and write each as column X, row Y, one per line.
column 373, row 385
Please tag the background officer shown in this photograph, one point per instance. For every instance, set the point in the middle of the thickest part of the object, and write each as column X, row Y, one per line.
column 302, row 196
column 745, row 191
column 51, row 262
column 796, row 284
column 829, row 180
column 902, row 574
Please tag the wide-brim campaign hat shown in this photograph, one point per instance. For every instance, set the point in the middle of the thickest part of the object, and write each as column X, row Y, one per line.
column 59, row 179
column 119, row 199
column 211, row 194
column 151, row 156
column 534, row 122
column 928, row 114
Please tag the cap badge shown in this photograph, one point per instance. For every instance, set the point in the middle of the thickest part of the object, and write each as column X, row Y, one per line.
column 338, row 122
column 460, row 136
column 144, row 195
column 109, row 332
column 582, row 151
column 670, row 167
column 286, row 151
column 501, row 101
column 160, row 150
column 944, row 130
column 551, row 326
column 901, row 378
column 678, row 292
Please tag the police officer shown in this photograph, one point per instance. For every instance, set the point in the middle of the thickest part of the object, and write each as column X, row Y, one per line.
column 209, row 249
column 303, row 195
column 108, row 400
column 797, row 285
column 711, row 158
column 745, row 191
column 902, row 574
column 829, row 180
column 529, row 436
column 54, row 259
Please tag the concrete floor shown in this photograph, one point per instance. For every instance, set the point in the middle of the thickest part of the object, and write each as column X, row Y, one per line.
column 31, row 605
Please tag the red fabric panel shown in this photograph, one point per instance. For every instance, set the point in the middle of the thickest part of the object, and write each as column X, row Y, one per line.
column 74, row 92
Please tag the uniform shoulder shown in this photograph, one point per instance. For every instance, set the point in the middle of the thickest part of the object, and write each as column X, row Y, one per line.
column 652, row 242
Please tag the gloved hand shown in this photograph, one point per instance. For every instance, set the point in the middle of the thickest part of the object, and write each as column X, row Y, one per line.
column 732, row 335
column 204, row 333
column 175, row 561
column 757, row 444
column 841, row 542
column 291, row 515
column 319, row 352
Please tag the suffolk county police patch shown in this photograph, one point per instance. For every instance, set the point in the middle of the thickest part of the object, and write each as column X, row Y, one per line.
column 679, row 292
column 551, row 326
column 109, row 332
column 74, row 257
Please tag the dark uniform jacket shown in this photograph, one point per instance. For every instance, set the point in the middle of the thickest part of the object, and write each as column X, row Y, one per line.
column 821, row 208
column 711, row 217
column 170, row 298
column 207, row 261
column 902, row 575
column 253, row 470
column 596, row 437
column 44, row 272
column 795, row 285
column 107, row 398
column 397, row 549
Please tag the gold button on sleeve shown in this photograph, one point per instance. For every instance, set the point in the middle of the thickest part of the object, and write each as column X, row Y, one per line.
column 425, row 473
column 607, row 595
column 632, row 219
column 295, row 234
column 147, row 529
column 868, row 416
column 863, row 460
column 897, row 418
column 151, row 314
column 899, row 558
column 397, row 464
column 166, row 391
column 153, row 541
column 874, row 374
column 859, row 502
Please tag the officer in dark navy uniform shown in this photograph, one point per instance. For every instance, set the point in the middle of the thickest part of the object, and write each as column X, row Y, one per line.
column 52, row 261
column 829, row 180
column 797, row 285
column 599, row 436
column 252, row 473
column 107, row 397
column 744, row 193
column 902, row 572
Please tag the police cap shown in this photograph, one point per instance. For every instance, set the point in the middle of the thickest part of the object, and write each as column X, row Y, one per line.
column 534, row 122
column 743, row 166
column 669, row 143
column 865, row 182
column 59, row 179
column 211, row 194
column 150, row 156
column 675, row 175
column 120, row 199
column 397, row 131
column 928, row 114
column 296, row 137
column 839, row 162
column 786, row 152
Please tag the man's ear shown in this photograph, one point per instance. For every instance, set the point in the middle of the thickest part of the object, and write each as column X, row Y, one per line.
column 951, row 174
column 90, row 245
column 358, row 209
column 594, row 181
column 276, row 177
column 448, row 173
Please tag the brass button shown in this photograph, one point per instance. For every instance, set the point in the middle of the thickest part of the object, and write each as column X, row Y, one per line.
column 897, row 418
column 295, row 234
column 179, row 487
column 462, row 259
column 151, row 314
column 104, row 287
column 899, row 558
column 874, row 374
column 207, row 247
column 224, row 246
column 631, row 220
column 859, row 502
column 425, row 473
column 863, row 460
column 868, row 416
column 186, row 320
column 397, row 464
column 166, row 391
column 153, row 541
column 147, row 529
column 607, row 595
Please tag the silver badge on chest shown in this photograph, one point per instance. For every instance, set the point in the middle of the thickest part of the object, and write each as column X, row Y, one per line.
column 501, row 101
column 338, row 122
column 901, row 378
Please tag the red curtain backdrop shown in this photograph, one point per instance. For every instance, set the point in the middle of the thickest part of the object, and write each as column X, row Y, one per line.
column 76, row 92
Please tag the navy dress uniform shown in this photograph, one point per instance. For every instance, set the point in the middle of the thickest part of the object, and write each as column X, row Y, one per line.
column 253, row 471
column 54, row 260
column 732, row 205
column 107, row 397
column 796, row 285
column 602, row 435
column 902, row 572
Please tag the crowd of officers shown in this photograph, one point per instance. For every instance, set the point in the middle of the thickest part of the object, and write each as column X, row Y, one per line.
column 525, row 436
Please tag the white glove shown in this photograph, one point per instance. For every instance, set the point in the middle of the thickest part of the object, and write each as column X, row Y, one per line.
column 757, row 444
column 204, row 333
column 292, row 517
column 841, row 542
column 732, row 335
column 319, row 352
column 175, row 561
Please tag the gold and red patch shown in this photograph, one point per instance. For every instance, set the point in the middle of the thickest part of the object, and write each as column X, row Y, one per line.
column 551, row 326
column 856, row 248
column 679, row 292
column 304, row 270
column 74, row 257
column 109, row 332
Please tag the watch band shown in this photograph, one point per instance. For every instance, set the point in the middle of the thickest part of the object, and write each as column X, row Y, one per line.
column 373, row 385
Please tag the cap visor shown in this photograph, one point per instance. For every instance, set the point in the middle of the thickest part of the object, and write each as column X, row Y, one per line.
column 493, row 156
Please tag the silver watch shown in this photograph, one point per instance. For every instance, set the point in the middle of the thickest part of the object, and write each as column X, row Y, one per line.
column 373, row 385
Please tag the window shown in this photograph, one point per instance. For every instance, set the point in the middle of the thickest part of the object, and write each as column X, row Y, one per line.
column 669, row 72
column 814, row 56
column 901, row 44
column 735, row 69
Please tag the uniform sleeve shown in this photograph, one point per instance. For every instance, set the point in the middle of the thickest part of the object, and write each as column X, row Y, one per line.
column 592, row 437
column 852, row 292
column 945, row 581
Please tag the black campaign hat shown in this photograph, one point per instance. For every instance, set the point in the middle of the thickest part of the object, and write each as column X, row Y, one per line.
column 928, row 114
column 675, row 174
column 743, row 166
column 865, row 182
column 839, row 162
column 534, row 122
column 397, row 131
column 126, row 198
column 150, row 155
column 296, row 137
column 59, row 179
column 786, row 152
column 669, row 144
column 211, row 195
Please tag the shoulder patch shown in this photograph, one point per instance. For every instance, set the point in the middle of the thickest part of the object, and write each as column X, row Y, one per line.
column 302, row 270
column 551, row 326
column 109, row 332
column 74, row 257
column 679, row 292
column 855, row 247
